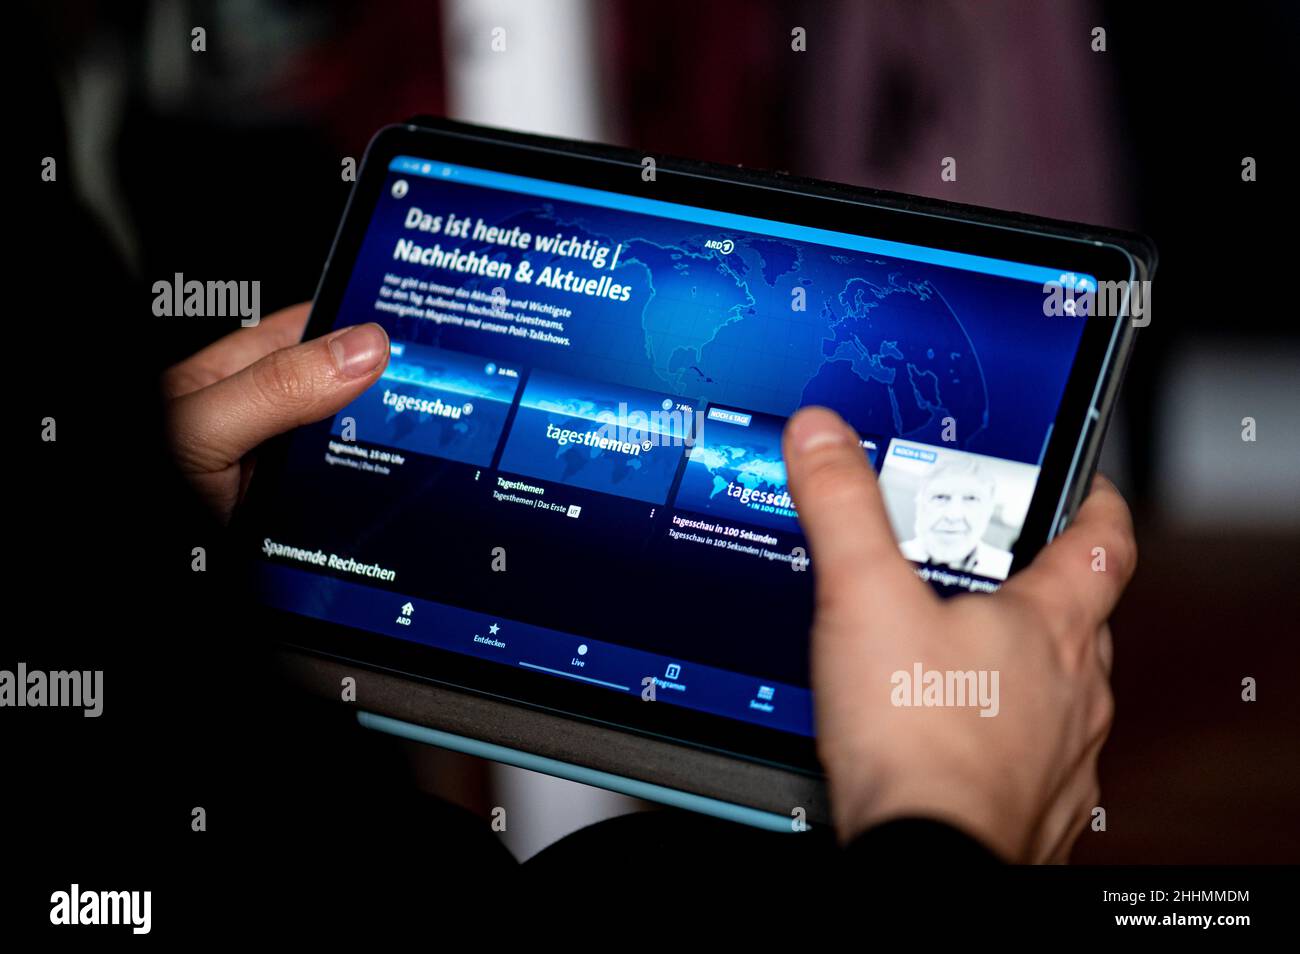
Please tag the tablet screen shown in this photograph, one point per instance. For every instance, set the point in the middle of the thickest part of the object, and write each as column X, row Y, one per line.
column 572, row 462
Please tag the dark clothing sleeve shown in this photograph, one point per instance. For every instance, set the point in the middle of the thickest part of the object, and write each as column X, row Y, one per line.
column 910, row 840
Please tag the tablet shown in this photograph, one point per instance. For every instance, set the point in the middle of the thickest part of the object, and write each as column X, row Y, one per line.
column 558, row 526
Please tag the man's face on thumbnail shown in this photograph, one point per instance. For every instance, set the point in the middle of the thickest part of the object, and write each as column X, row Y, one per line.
column 952, row 512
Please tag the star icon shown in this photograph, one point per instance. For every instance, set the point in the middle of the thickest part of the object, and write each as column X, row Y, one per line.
column 493, row 629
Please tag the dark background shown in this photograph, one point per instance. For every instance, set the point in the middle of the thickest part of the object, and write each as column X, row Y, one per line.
column 227, row 164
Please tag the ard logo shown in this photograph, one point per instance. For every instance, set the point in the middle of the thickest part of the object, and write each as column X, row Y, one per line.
column 722, row 245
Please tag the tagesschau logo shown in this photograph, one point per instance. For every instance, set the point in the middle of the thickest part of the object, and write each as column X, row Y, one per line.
column 766, row 501
column 436, row 408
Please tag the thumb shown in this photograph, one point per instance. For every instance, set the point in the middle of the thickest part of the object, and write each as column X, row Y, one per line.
column 843, row 516
column 214, row 427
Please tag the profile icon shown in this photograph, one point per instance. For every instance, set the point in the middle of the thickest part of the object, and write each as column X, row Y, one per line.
column 400, row 188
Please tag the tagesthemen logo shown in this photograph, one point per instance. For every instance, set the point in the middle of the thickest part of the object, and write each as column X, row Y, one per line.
column 596, row 440
column 669, row 425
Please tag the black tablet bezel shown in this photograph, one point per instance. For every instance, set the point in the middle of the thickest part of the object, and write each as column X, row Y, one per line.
column 1106, row 256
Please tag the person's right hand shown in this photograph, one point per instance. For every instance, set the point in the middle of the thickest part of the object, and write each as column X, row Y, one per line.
column 1024, row 781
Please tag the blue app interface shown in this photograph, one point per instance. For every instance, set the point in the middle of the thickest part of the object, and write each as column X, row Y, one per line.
column 596, row 435
column 735, row 471
column 437, row 403
column 572, row 464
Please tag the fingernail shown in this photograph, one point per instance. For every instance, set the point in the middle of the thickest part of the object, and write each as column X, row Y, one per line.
column 816, row 427
column 359, row 350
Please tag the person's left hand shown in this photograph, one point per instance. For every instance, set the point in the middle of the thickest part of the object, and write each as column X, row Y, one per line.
column 255, row 383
